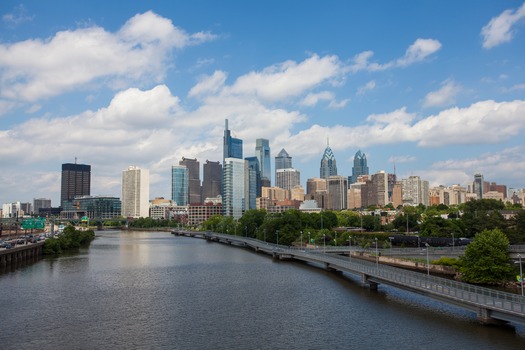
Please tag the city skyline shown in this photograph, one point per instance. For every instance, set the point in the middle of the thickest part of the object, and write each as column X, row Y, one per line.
column 434, row 89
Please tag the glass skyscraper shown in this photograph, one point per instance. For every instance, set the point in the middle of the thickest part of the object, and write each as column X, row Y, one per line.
column 360, row 166
column 232, row 147
column 328, row 164
column 252, row 182
column 282, row 161
column 233, row 187
column 262, row 151
column 179, row 184
column 76, row 181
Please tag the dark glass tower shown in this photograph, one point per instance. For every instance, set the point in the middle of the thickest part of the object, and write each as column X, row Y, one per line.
column 360, row 166
column 262, row 151
column 194, row 181
column 212, row 179
column 252, row 182
column 76, row 181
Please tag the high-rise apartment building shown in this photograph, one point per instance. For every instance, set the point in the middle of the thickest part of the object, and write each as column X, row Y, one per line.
column 76, row 181
column 135, row 192
column 287, row 178
column 194, row 181
column 328, row 164
column 262, row 152
column 415, row 191
column 233, row 187
column 360, row 166
column 180, row 184
column 252, row 182
column 212, row 179
column 315, row 184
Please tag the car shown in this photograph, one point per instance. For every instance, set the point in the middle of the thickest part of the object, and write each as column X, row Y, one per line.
column 7, row 245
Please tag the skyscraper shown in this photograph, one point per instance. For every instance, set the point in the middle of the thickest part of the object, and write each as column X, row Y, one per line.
column 194, row 181
column 212, row 179
column 328, row 164
column 337, row 192
column 180, row 184
column 233, row 187
column 262, row 152
column 232, row 147
column 135, row 192
column 282, row 161
column 252, row 182
column 287, row 178
column 478, row 185
column 76, row 181
column 360, row 166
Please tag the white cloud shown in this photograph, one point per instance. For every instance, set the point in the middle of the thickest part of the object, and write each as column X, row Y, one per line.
column 402, row 159
column 371, row 85
column 443, row 97
column 500, row 29
column 314, row 98
column 17, row 16
column 209, row 84
column 417, row 52
column 288, row 79
column 34, row 69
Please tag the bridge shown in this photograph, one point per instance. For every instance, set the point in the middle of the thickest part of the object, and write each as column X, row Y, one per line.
column 490, row 306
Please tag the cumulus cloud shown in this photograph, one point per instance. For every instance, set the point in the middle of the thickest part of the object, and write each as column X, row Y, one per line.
column 443, row 97
column 417, row 52
column 501, row 29
column 34, row 69
column 288, row 79
column 402, row 159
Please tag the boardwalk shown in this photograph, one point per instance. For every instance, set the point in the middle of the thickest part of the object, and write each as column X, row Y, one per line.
column 490, row 306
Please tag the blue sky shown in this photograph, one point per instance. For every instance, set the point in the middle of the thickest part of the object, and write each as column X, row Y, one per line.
column 432, row 88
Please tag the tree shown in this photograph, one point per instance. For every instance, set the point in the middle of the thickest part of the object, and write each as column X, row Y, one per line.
column 516, row 228
column 486, row 259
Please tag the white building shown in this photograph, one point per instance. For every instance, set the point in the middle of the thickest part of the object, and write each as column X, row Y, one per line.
column 287, row 178
column 135, row 192
column 415, row 191
column 12, row 210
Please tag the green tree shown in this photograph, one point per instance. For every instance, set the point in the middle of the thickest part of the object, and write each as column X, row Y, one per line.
column 486, row 259
column 516, row 228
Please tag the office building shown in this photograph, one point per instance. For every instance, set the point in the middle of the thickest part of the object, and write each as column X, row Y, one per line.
column 194, row 182
column 337, row 192
column 415, row 191
column 98, row 207
column 212, row 179
column 282, row 161
column 360, row 166
column 232, row 147
column 252, row 182
column 262, row 152
column 76, row 181
column 478, row 185
column 180, row 184
column 41, row 203
column 135, row 192
column 287, row 178
column 328, row 164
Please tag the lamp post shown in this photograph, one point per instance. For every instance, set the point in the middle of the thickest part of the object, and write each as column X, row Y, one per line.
column 264, row 235
column 521, row 274
column 453, row 241
column 350, row 247
column 391, row 244
column 324, row 243
column 301, row 239
column 428, row 262
column 377, row 254
column 308, row 245
column 277, row 232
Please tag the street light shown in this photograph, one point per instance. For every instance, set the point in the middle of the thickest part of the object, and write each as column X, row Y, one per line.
column 453, row 241
column 324, row 243
column 377, row 255
column 277, row 232
column 521, row 274
column 391, row 244
column 428, row 263
column 308, row 245
column 246, row 231
column 350, row 247
column 301, row 239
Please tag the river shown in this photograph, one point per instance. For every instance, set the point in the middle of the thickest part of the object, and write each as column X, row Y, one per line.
column 153, row 290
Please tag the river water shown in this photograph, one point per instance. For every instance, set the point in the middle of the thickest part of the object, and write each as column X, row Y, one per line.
column 144, row 290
